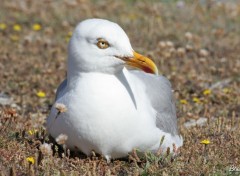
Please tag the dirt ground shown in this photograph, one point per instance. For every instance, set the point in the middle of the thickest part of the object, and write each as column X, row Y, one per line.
column 196, row 44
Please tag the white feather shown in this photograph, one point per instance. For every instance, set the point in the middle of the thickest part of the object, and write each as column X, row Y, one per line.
column 109, row 108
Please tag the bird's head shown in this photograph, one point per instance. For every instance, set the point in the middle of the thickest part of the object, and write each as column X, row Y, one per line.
column 99, row 45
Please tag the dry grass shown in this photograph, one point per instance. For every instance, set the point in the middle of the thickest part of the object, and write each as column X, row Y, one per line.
column 195, row 45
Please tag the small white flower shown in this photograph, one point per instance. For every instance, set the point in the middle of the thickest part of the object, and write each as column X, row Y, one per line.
column 162, row 44
column 60, row 107
column 188, row 36
column 181, row 51
column 180, row 4
column 189, row 47
column 61, row 139
column 169, row 44
column 203, row 53
column 46, row 149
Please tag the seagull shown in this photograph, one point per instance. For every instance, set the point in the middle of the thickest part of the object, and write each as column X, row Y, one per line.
column 112, row 109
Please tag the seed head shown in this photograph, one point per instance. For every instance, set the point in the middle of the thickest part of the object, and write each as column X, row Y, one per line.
column 181, row 51
column 203, row 53
column 188, row 36
column 162, row 44
column 189, row 47
column 60, row 107
column 61, row 139
column 169, row 44
column 46, row 149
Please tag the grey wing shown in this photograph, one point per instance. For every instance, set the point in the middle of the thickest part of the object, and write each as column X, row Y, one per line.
column 61, row 89
column 159, row 91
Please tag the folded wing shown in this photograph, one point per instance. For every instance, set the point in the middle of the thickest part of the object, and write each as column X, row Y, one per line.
column 159, row 91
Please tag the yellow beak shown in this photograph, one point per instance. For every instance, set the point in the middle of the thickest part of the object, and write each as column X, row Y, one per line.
column 143, row 63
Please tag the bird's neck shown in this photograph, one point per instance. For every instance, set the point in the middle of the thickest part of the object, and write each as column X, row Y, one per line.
column 74, row 75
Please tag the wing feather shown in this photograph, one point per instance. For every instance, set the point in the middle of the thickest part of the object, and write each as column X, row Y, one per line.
column 61, row 89
column 159, row 91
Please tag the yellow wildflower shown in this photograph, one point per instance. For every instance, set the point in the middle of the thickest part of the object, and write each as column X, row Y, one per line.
column 3, row 26
column 31, row 160
column 205, row 141
column 174, row 68
column 226, row 90
column 32, row 132
column 207, row 92
column 68, row 36
column 132, row 16
column 183, row 101
column 36, row 27
column 41, row 94
column 17, row 27
column 14, row 38
column 67, row 39
column 196, row 100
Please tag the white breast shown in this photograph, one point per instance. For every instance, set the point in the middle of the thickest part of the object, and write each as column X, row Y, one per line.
column 105, row 116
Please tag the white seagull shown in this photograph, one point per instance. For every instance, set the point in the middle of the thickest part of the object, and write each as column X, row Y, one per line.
column 112, row 109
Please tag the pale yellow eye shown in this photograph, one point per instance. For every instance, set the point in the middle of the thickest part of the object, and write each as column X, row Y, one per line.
column 102, row 44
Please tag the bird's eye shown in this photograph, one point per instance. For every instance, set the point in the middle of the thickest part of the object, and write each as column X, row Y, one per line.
column 102, row 44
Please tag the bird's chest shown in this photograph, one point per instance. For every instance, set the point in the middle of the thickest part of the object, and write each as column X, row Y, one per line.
column 102, row 113
column 101, row 96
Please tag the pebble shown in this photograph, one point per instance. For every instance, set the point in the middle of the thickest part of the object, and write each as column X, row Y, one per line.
column 200, row 122
column 5, row 99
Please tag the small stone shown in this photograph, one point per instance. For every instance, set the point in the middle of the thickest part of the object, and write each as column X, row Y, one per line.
column 5, row 99
column 200, row 122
